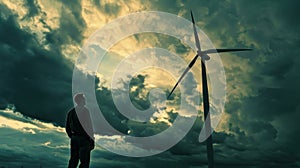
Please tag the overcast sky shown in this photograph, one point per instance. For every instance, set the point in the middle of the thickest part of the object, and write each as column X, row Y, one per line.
column 40, row 41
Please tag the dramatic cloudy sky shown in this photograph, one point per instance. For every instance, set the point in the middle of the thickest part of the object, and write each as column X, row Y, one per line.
column 40, row 41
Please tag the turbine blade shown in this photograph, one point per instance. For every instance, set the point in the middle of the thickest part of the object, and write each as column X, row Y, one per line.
column 196, row 34
column 183, row 74
column 210, row 51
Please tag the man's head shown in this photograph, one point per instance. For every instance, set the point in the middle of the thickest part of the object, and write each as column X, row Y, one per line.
column 79, row 99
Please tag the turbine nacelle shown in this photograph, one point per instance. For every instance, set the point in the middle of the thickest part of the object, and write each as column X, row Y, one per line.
column 205, row 57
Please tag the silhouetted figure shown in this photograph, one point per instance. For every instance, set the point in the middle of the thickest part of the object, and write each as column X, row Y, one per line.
column 80, row 132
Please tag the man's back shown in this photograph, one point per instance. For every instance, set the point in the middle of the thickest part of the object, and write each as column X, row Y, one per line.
column 74, row 126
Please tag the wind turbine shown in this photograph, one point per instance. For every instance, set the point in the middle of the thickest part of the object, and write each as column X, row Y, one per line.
column 204, row 57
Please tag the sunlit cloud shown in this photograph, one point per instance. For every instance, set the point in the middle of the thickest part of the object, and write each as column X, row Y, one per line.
column 18, row 121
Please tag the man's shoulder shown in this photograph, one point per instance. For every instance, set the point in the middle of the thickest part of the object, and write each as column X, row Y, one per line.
column 81, row 109
column 72, row 110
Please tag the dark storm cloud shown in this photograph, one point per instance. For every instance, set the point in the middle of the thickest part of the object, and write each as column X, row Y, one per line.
column 136, row 95
column 71, row 26
column 108, row 8
column 269, row 117
column 33, row 8
column 36, row 80
column 118, row 120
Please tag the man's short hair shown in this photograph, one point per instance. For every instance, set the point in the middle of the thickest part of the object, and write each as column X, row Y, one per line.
column 78, row 97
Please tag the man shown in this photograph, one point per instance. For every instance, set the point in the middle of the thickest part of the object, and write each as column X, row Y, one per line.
column 80, row 130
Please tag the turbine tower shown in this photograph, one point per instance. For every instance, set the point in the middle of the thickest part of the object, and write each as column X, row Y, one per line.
column 204, row 57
